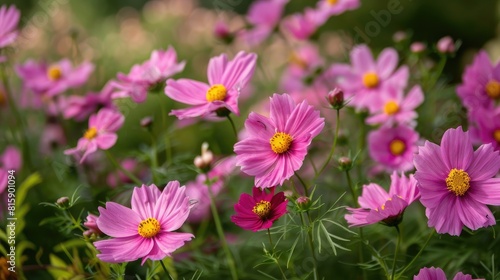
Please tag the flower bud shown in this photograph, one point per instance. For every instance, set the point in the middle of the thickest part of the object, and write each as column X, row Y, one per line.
column 446, row 45
column 63, row 202
column 399, row 36
column 204, row 160
column 146, row 122
column 417, row 47
column 345, row 163
column 221, row 32
column 336, row 98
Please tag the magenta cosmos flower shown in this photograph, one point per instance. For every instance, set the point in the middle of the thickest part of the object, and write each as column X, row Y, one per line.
column 9, row 19
column 51, row 80
column 275, row 147
column 101, row 133
column 433, row 273
column 366, row 79
column 259, row 211
column 488, row 127
column 456, row 182
column 378, row 206
column 302, row 26
column 80, row 107
column 147, row 229
column 393, row 147
column 10, row 160
column 480, row 88
column 226, row 78
column 160, row 66
column 398, row 108
column 263, row 15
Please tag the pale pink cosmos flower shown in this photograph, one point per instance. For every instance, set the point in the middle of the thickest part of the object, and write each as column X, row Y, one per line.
column 276, row 146
column 365, row 80
column 51, row 80
column 432, row 273
column 378, row 206
column 11, row 159
column 328, row 8
column 302, row 26
column 398, row 108
column 101, row 133
column 147, row 229
column 9, row 19
column 393, row 147
column 456, row 183
column 226, row 78
column 80, row 107
column 263, row 15
column 142, row 77
column 303, row 62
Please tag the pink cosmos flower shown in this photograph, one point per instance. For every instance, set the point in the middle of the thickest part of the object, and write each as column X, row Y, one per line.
column 51, row 80
column 433, row 273
column 118, row 178
column 276, row 146
column 263, row 15
column 378, row 206
column 398, row 108
column 488, row 127
column 160, row 66
column 456, row 182
column 10, row 160
column 91, row 224
column 480, row 88
column 101, row 133
column 147, row 229
column 328, row 8
column 9, row 19
column 302, row 26
column 259, row 211
column 225, row 78
column 393, row 147
column 446, row 45
column 366, row 79
column 80, row 107
column 302, row 64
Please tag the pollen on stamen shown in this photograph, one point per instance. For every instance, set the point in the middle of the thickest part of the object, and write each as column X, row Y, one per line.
column 281, row 142
column 371, row 80
column 493, row 89
column 216, row 93
column 496, row 135
column 458, row 181
column 54, row 73
column 149, row 228
column 391, row 107
column 397, row 147
column 262, row 208
column 90, row 134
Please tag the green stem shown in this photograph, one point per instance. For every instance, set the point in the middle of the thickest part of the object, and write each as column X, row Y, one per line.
column 311, row 247
column 165, row 269
column 306, row 189
column 396, row 253
column 351, row 187
column 233, row 126
column 417, row 255
column 154, row 159
column 272, row 251
column 120, row 167
column 168, row 146
column 220, row 232
column 332, row 150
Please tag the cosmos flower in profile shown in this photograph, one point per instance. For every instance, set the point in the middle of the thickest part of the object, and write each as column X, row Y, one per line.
column 147, row 229
column 433, row 273
column 456, row 182
column 275, row 147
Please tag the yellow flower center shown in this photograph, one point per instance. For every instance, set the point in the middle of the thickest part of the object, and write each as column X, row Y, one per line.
column 370, row 80
column 262, row 208
column 216, row 92
column 458, row 181
column 91, row 133
column 391, row 107
column 332, row 2
column 295, row 59
column 280, row 142
column 496, row 135
column 397, row 147
column 54, row 73
column 493, row 89
column 149, row 228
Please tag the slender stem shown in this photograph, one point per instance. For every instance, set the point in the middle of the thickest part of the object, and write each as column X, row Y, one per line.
column 336, row 136
column 125, row 171
column 311, row 247
column 351, row 187
column 154, row 159
column 164, row 268
column 396, row 253
column 306, row 189
column 233, row 126
column 168, row 146
column 417, row 255
column 272, row 250
column 220, row 232
column 270, row 239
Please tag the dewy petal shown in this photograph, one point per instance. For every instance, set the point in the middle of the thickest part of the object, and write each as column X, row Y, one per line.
column 259, row 126
column 144, row 200
column 387, row 62
column 216, row 67
column 485, row 164
column 486, row 192
column 473, row 214
column 304, row 121
column 117, row 220
column 373, row 196
column 282, row 107
column 187, row 91
column 456, row 149
column 172, row 207
column 124, row 249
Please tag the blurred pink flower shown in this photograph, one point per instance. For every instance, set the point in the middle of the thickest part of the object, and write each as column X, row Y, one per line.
column 366, row 80
column 9, row 19
column 225, row 78
column 418, row 47
column 118, row 178
column 433, row 273
column 101, row 133
column 393, row 147
column 328, row 8
column 91, row 224
column 80, row 107
column 160, row 66
column 259, row 211
column 11, row 159
column 456, row 182
column 49, row 81
column 446, row 45
column 52, row 136
column 378, row 206
column 263, row 15
column 398, row 108
column 147, row 229
column 480, row 88
column 276, row 146
column 303, row 62
column 301, row 26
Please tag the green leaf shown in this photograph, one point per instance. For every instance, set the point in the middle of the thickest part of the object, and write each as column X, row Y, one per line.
column 59, row 269
column 26, row 185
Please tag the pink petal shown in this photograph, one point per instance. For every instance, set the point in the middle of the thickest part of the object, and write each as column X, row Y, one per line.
column 259, row 126
column 282, row 107
column 456, row 149
column 144, row 200
column 168, row 242
column 106, row 140
column 362, row 59
column 187, row 91
column 124, row 249
column 304, row 121
column 118, row 221
column 373, row 196
column 445, row 217
column 172, row 207
column 473, row 214
column 485, row 163
column 239, row 71
column 387, row 62
column 215, row 70
column 486, row 192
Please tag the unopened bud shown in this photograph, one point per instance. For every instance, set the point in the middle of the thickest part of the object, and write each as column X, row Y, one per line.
column 303, row 202
column 399, row 36
column 204, row 160
column 146, row 122
column 446, row 45
column 417, row 47
column 63, row 202
column 336, row 98
column 221, row 32
column 345, row 163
